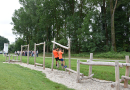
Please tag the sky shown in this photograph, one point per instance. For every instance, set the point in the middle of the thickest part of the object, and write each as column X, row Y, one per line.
column 7, row 8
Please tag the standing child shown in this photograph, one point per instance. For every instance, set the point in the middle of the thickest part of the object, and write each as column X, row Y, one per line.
column 55, row 53
column 61, row 59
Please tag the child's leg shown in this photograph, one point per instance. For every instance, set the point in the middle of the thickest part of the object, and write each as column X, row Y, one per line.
column 64, row 63
column 61, row 63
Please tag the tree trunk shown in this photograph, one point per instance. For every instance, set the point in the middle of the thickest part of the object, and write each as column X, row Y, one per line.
column 112, row 25
column 105, row 24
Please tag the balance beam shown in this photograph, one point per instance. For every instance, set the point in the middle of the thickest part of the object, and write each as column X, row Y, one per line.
column 81, row 74
column 60, row 45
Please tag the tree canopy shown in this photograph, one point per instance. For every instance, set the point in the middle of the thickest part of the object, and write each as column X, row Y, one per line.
column 89, row 24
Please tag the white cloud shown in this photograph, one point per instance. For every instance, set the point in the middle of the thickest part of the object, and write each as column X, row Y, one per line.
column 7, row 8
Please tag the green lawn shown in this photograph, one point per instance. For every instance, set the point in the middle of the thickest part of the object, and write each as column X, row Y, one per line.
column 100, row 72
column 15, row 77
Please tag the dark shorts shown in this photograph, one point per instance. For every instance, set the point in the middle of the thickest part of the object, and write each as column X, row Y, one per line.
column 61, row 59
column 57, row 58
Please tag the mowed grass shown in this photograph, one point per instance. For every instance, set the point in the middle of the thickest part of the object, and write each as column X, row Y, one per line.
column 100, row 72
column 16, row 77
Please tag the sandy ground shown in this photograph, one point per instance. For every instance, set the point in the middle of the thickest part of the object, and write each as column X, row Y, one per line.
column 69, row 80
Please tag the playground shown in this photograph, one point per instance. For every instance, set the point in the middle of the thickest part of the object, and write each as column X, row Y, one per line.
column 60, row 76
column 80, row 74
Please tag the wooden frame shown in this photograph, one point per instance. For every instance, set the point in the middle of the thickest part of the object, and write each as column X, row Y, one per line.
column 8, row 59
column 117, row 74
column 43, row 55
column 27, row 53
column 68, row 48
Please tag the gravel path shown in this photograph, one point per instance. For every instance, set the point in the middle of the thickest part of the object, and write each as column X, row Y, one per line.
column 64, row 78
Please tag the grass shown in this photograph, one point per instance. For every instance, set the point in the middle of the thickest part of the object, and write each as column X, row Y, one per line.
column 15, row 77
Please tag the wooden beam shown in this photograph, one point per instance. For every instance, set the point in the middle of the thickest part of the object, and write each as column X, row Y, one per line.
column 60, row 45
column 78, row 71
column 34, row 54
column 100, row 63
column 15, row 55
column 39, row 64
column 90, row 66
column 85, row 77
column 125, row 77
column 21, row 54
column 81, row 74
column 24, row 45
column 44, row 56
column 69, row 54
column 117, row 75
column 126, row 73
column 42, row 43
column 52, row 56
column 28, row 56
column 15, row 61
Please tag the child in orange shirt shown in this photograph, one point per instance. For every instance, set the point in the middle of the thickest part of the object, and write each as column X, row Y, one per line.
column 61, row 59
column 55, row 53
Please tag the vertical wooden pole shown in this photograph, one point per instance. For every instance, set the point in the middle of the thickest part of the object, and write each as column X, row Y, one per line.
column 34, row 54
column 78, row 71
column 13, row 57
column 21, row 54
column 17, row 57
column 9, row 58
column 126, row 73
column 69, row 54
column 52, row 57
column 117, row 75
column 6, row 58
column 90, row 67
column 44, row 57
column 28, row 55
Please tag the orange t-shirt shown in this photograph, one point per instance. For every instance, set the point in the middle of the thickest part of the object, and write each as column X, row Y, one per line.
column 55, row 53
column 60, row 54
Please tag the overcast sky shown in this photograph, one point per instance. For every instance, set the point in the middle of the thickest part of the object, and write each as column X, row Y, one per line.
column 7, row 8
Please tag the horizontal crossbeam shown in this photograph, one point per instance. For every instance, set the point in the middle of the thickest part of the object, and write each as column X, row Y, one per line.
column 60, row 45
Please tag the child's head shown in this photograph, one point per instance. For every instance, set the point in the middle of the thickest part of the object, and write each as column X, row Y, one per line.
column 57, row 49
column 60, row 49
column 54, row 48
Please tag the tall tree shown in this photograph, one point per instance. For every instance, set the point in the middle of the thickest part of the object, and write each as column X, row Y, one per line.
column 112, row 9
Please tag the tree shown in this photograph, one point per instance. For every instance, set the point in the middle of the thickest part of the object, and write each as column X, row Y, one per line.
column 112, row 9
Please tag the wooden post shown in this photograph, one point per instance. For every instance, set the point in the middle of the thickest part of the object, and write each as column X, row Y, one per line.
column 28, row 55
column 17, row 57
column 78, row 71
column 6, row 58
column 69, row 54
column 21, row 54
column 126, row 73
column 44, row 56
column 9, row 58
column 117, row 75
column 90, row 67
column 52, row 57
column 13, row 57
column 35, row 54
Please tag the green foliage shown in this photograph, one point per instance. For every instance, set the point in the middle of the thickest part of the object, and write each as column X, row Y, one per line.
column 81, row 20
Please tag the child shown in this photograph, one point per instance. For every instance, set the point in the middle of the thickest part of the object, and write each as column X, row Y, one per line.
column 55, row 53
column 61, row 59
